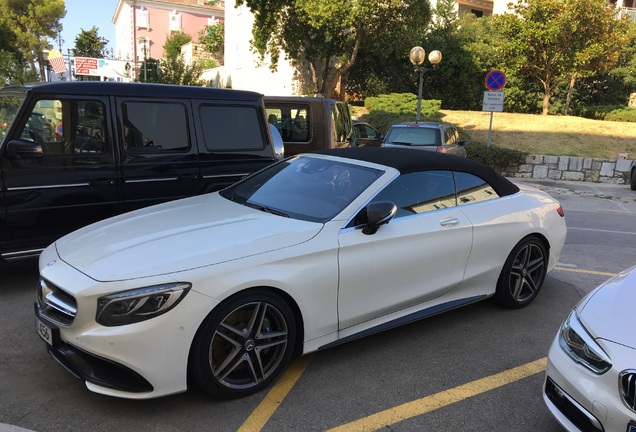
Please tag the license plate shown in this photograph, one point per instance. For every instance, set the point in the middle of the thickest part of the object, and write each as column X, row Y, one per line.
column 631, row 427
column 44, row 331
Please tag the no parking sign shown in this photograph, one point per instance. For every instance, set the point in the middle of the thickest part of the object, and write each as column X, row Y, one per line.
column 495, row 80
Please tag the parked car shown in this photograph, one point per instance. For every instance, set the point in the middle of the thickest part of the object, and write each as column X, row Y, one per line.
column 366, row 135
column 433, row 136
column 590, row 380
column 632, row 175
column 117, row 147
column 310, row 123
column 223, row 289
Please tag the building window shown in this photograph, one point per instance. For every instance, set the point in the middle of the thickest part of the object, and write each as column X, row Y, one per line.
column 143, row 48
column 175, row 22
column 142, row 18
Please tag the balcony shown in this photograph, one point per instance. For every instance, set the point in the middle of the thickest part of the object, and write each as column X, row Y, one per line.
column 630, row 12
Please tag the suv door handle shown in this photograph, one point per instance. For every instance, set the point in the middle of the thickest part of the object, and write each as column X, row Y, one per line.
column 188, row 177
column 101, row 182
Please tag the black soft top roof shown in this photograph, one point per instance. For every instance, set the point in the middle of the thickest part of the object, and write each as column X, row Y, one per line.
column 411, row 160
column 110, row 88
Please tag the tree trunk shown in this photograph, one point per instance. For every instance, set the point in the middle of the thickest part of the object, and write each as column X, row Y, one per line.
column 568, row 99
column 547, row 92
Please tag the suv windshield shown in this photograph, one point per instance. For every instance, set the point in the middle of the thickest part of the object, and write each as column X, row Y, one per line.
column 9, row 106
column 308, row 188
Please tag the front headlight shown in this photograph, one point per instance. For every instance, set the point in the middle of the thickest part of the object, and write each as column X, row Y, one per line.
column 139, row 304
column 581, row 346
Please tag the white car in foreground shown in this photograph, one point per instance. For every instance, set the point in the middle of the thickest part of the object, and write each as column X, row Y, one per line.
column 590, row 382
column 223, row 289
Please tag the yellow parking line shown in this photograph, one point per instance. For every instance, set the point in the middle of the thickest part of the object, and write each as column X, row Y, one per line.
column 439, row 400
column 275, row 396
column 574, row 270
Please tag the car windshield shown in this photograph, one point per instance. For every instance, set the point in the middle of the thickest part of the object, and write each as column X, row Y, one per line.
column 303, row 187
column 9, row 106
column 423, row 136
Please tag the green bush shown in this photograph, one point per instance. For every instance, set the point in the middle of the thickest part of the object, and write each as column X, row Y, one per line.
column 497, row 158
column 402, row 103
column 607, row 112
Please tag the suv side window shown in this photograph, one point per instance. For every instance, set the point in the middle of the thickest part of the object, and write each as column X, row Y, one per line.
column 231, row 128
column 338, row 118
column 291, row 121
column 420, row 192
column 147, row 131
column 472, row 189
column 63, row 127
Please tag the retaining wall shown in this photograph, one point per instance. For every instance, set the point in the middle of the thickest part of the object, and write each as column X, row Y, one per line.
column 615, row 171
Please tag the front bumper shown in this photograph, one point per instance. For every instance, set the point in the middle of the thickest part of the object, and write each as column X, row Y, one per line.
column 583, row 401
column 93, row 369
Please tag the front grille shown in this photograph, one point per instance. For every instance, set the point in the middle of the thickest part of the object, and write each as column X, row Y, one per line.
column 55, row 304
column 628, row 388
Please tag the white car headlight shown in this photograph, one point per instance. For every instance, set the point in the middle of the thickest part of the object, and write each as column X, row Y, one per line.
column 581, row 346
column 139, row 304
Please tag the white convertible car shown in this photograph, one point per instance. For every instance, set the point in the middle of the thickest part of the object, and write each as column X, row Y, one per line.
column 224, row 289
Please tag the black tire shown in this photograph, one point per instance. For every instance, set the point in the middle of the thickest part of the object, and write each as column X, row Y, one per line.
column 633, row 180
column 523, row 274
column 244, row 345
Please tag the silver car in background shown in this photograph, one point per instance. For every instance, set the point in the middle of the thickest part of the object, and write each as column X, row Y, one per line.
column 433, row 136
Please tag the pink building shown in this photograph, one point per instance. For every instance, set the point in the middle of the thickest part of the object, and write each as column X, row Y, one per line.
column 142, row 26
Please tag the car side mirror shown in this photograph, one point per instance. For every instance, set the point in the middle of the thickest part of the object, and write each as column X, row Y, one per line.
column 23, row 149
column 378, row 214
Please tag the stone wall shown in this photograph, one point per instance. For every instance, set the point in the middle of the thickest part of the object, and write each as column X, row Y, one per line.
column 615, row 171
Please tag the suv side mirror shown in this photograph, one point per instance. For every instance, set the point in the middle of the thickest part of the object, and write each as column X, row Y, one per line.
column 23, row 149
column 277, row 142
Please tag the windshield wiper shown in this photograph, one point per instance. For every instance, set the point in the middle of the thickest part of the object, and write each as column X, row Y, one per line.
column 266, row 209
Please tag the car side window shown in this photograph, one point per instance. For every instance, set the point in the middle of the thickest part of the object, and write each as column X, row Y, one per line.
column 292, row 121
column 420, row 192
column 155, row 127
column 63, row 127
column 231, row 128
column 472, row 189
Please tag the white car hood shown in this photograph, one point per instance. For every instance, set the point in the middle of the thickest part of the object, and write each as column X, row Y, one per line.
column 609, row 311
column 177, row 236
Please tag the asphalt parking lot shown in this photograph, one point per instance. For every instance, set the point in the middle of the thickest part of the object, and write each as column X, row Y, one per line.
column 476, row 368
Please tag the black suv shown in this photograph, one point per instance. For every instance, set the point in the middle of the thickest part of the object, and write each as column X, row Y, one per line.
column 114, row 147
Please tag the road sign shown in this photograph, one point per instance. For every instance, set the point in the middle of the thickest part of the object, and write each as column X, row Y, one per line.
column 493, row 101
column 495, row 80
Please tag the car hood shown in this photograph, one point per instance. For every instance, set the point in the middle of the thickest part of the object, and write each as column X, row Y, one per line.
column 608, row 312
column 177, row 236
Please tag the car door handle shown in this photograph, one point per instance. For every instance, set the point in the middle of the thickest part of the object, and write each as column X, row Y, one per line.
column 449, row 221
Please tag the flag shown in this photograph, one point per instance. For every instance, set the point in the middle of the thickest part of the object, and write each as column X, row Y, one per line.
column 57, row 61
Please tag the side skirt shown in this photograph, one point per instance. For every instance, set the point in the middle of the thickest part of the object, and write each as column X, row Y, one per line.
column 416, row 316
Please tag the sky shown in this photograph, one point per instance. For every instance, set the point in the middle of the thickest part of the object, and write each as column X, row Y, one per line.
column 83, row 15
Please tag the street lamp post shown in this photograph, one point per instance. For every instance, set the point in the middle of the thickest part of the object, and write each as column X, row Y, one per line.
column 417, row 56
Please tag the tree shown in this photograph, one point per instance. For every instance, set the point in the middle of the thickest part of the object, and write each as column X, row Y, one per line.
column 174, row 42
column 213, row 39
column 553, row 40
column 89, row 44
column 326, row 35
column 33, row 22
column 175, row 71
